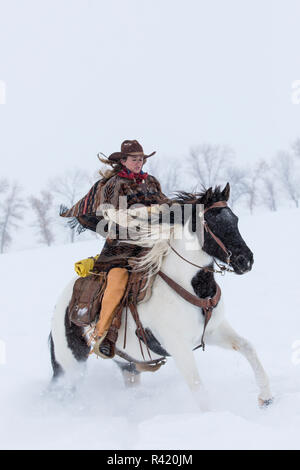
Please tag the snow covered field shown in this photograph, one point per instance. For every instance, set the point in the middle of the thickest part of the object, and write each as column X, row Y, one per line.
column 263, row 305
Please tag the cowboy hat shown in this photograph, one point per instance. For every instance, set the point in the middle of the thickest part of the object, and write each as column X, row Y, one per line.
column 129, row 148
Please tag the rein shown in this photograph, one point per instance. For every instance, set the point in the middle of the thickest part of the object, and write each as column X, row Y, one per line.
column 222, row 267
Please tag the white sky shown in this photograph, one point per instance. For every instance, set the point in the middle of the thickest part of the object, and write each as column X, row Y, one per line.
column 83, row 75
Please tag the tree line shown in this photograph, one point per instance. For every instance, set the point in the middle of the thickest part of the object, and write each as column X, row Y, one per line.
column 264, row 183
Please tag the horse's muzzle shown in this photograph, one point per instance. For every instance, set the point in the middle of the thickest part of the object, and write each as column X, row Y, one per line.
column 242, row 264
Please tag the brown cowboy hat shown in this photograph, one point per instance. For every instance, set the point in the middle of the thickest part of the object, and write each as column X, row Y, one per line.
column 129, row 148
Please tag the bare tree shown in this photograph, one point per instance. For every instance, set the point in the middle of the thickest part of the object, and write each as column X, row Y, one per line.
column 3, row 185
column 288, row 173
column 269, row 186
column 251, row 184
column 237, row 178
column 69, row 188
column 296, row 148
column 10, row 213
column 208, row 163
column 170, row 181
column 42, row 208
column 271, row 191
column 166, row 173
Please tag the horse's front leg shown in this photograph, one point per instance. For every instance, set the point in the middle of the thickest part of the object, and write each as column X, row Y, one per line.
column 181, row 351
column 225, row 337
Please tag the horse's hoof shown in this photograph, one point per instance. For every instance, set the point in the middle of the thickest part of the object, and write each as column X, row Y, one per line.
column 265, row 403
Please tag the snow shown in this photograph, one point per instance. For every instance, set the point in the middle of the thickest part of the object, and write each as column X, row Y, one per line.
column 262, row 305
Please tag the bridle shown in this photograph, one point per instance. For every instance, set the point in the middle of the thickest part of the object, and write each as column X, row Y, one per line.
column 222, row 268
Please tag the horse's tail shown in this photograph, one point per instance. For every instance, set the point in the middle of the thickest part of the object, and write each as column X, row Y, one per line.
column 57, row 369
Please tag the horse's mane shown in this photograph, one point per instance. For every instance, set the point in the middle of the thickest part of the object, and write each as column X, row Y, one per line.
column 205, row 196
column 159, row 247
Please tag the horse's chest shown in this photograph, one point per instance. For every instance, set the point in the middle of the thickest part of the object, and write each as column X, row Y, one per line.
column 167, row 310
column 167, row 307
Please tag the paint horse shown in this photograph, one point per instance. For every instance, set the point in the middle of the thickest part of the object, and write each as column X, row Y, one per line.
column 176, row 324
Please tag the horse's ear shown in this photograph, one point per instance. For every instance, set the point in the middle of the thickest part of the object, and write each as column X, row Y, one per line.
column 226, row 192
column 208, row 195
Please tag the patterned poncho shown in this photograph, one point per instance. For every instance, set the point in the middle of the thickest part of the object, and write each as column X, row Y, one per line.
column 85, row 213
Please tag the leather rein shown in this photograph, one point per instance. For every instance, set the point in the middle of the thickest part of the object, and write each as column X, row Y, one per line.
column 209, row 303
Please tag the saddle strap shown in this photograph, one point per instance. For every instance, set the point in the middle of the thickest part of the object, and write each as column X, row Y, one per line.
column 207, row 303
column 208, row 314
column 135, row 315
column 112, row 334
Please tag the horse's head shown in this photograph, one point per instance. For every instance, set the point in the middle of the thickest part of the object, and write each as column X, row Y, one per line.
column 223, row 223
column 222, row 226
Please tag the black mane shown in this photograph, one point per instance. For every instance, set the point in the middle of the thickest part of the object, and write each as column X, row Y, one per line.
column 206, row 197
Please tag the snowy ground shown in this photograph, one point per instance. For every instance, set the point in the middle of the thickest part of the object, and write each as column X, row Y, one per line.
column 263, row 305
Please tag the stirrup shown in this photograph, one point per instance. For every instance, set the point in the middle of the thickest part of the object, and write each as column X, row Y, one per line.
column 96, row 347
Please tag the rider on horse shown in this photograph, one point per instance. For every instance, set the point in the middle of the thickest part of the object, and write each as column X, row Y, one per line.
column 125, row 178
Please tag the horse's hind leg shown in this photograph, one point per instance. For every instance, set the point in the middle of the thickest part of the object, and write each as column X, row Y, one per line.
column 69, row 351
column 131, row 376
column 225, row 337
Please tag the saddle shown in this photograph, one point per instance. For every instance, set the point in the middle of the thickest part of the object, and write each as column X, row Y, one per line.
column 85, row 305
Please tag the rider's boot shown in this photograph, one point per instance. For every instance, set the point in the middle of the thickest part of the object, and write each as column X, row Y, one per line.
column 105, row 334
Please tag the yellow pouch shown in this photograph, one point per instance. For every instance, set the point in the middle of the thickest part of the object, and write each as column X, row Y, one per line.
column 83, row 267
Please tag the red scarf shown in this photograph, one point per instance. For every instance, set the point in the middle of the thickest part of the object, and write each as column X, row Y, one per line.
column 138, row 177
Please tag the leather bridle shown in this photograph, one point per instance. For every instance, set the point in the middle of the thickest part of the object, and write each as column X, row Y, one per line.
column 217, row 239
column 222, row 268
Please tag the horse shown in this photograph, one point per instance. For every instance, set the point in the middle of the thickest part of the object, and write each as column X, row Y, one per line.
column 175, row 324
